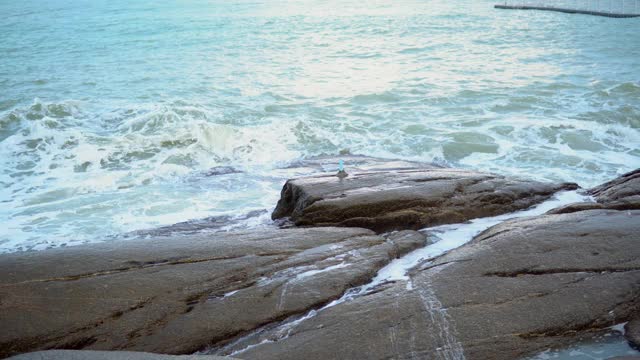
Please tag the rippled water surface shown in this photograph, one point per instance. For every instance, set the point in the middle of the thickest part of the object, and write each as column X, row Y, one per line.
column 112, row 113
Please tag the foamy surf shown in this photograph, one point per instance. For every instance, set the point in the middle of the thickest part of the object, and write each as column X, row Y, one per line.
column 95, row 144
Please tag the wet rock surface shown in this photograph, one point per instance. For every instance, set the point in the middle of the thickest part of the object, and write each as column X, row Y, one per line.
column 178, row 294
column 622, row 193
column 520, row 287
column 406, row 197
column 632, row 331
column 196, row 226
column 624, row 189
column 108, row 355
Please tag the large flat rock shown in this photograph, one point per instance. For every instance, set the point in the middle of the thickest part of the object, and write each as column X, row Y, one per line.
column 410, row 196
column 108, row 355
column 518, row 288
column 303, row 167
column 177, row 295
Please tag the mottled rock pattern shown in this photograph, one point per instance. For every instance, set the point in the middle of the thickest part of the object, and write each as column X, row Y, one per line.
column 177, row 295
column 409, row 198
column 520, row 287
column 108, row 355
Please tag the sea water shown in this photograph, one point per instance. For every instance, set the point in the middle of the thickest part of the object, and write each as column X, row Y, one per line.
column 113, row 113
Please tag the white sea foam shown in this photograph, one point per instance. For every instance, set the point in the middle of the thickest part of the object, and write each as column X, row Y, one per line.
column 120, row 142
column 599, row 347
column 456, row 235
column 319, row 271
column 139, row 177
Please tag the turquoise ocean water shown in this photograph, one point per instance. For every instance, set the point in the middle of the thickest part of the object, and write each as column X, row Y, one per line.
column 112, row 113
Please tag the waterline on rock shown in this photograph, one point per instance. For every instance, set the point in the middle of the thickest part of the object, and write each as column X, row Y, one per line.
column 450, row 348
column 455, row 235
column 451, row 237
column 599, row 347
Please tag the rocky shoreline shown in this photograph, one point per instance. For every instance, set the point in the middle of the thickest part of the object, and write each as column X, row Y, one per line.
column 521, row 286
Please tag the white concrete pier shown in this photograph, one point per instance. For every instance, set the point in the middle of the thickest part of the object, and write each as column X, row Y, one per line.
column 608, row 8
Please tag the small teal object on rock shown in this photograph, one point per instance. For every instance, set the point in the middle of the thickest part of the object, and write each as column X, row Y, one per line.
column 341, row 173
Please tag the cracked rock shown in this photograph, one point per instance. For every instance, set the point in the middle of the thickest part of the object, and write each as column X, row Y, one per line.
column 108, row 355
column 406, row 198
column 518, row 288
column 177, row 295
column 622, row 193
column 624, row 189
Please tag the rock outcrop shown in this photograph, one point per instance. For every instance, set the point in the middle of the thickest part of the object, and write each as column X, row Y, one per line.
column 622, row 193
column 177, row 295
column 520, row 287
column 406, row 198
column 624, row 189
column 108, row 355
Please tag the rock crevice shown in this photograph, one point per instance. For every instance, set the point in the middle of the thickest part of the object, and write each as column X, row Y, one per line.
column 185, row 293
